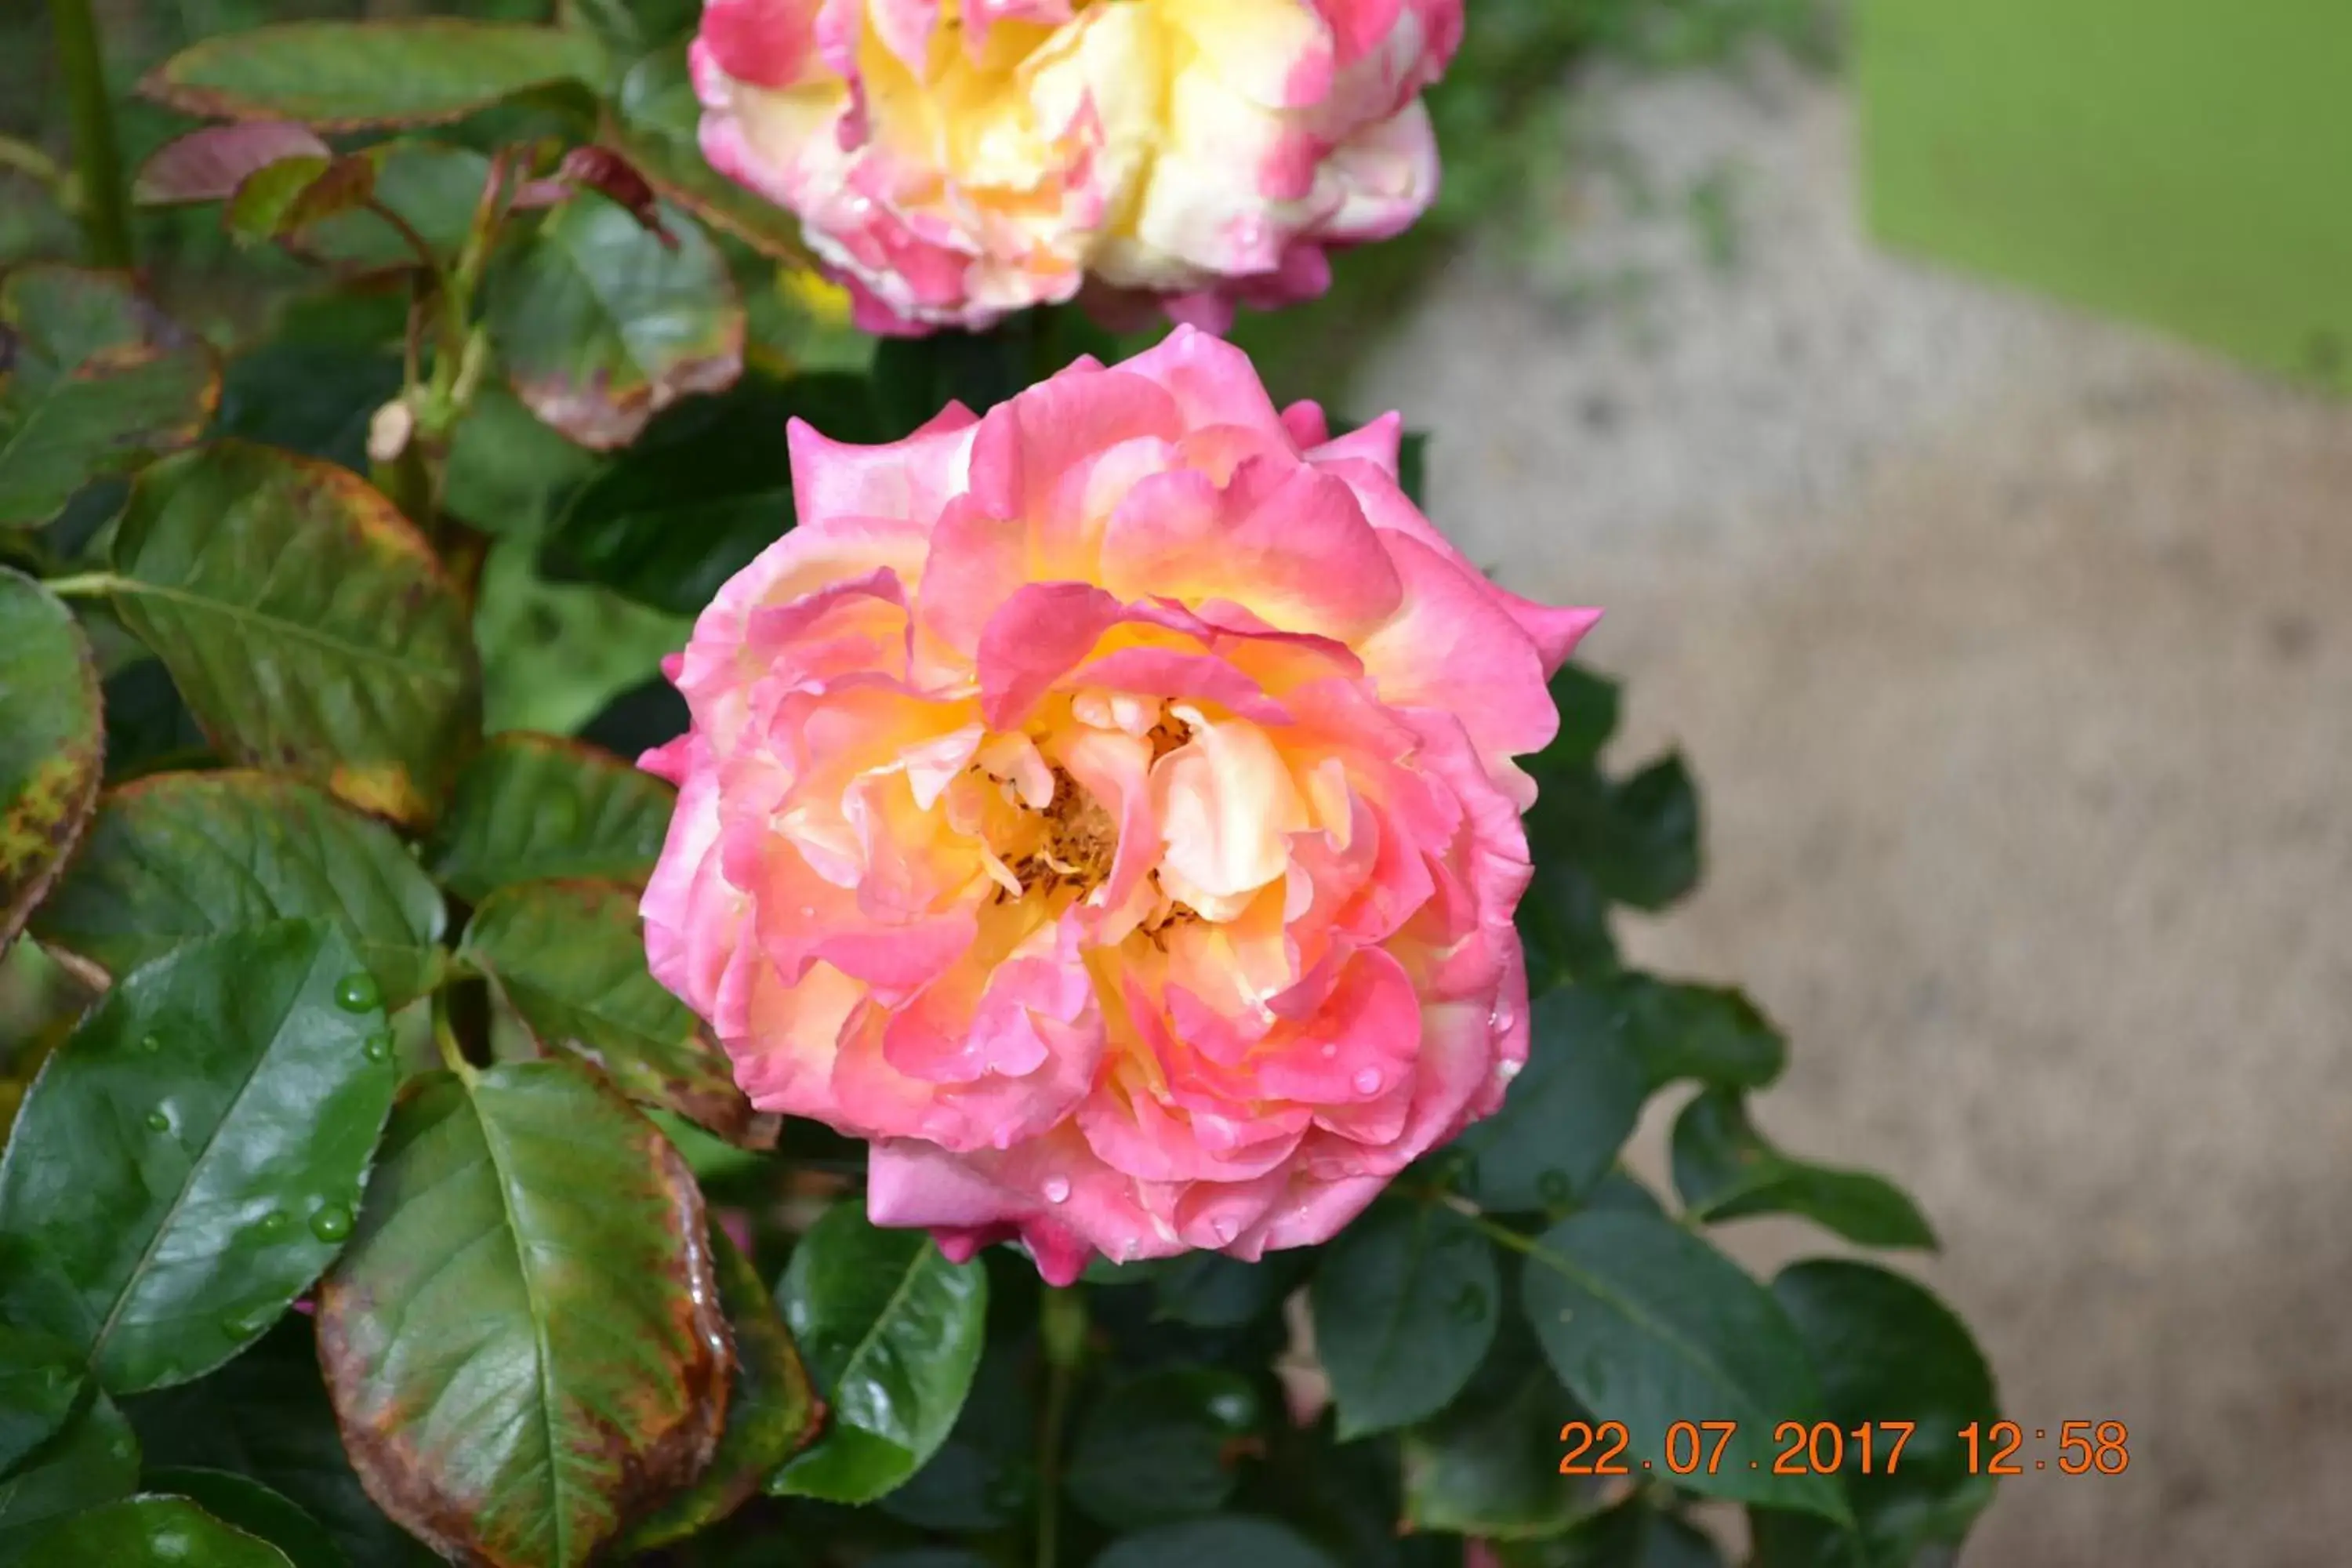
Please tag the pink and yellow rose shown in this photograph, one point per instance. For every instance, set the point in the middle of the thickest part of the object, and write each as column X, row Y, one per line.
column 957, row 159
column 1107, row 807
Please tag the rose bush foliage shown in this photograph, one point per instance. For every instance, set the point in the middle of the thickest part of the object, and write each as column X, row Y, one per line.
column 1094, row 825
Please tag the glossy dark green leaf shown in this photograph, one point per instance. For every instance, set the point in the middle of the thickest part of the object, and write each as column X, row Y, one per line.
column 984, row 1477
column 182, row 855
column 1405, row 1303
column 600, row 324
column 1632, row 1534
column 94, row 1460
column 1589, row 703
column 1235, row 1542
column 1488, row 1465
column 652, row 123
column 1568, row 1112
column 1725, row 1170
column 1717, row 1037
column 52, row 743
column 1412, row 466
column 1885, row 1350
column 771, row 1410
column 343, row 75
column 1214, row 1291
column 535, row 807
column 1563, row 922
column 1160, row 1446
column 93, row 381
column 524, row 1340
column 508, row 472
column 570, row 958
column 154, row 1531
column 1638, row 840
column 311, row 630
column 312, row 398
column 41, row 1375
column 148, row 729
column 1648, row 1325
column 189, row 1158
column 891, row 1332
column 706, row 489
column 432, row 187
column 265, row 1415
column 247, row 1505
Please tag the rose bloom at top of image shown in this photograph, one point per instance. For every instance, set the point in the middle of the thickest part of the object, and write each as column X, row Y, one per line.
column 1107, row 808
column 955, row 160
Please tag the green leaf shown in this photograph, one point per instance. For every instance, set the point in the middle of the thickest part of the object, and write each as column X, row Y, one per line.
column 247, row 1504
column 1156, row 1448
column 282, row 198
column 1699, row 1032
column 600, row 324
column 311, row 630
column 346, row 75
column 508, row 471
column 265, row 1415
column 1886, row 1350
column 1567, row 1114
column 1725, row 1170
column 770, row 1409
column 1214, row 1291
column 1234, row 1541
column 1589, row 704
column 984, row 1477
column 176, row 856
column 532, row 807
column 189, row 1158
column 1489, row 1464
column 652, row 123
column 1638, row 840
column 155, row 1533
column 524, row 1340
column 148, row 728
column 706, row 489
column 1648, row 1325
column 93, row 381
column 312, row 398
column 555, row 652
column 892, row 1332
column 52, row 743
column 1405, row 1305
column 570, row 958
column 1634, row 1535
column 432, row 187
column 93, row 1461
column 915, row 378
column 40, row 1377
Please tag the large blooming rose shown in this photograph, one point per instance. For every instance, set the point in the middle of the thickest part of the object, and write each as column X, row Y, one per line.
column 1107, row 807
column 955, row 160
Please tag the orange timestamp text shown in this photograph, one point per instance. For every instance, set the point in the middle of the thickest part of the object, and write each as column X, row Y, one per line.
column 1824, row 1448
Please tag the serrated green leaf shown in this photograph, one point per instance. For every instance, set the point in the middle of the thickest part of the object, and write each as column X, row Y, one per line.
column 1488, row 1465
column 280, row 199
column 1405, row 1302
column 52, row 743
column 1159, row 1447
column 652, row 123
column 570, row 958
column 189, row 1158
column 1886, row 1350
column 600, row 324
column 523, row 1341
column 1717, row 1037
column 93, row 1461
column 1235, row 1542
column 155, row 1533
column 1648, row 1325
column 432, row 187
column 177, row 856
column 345, row 75
column 532, row 807
column 244, row 1504
column 1725, row 1170
column 94, row 381
column 1569, row 1112
column 891, row 1332
column 311, row 630
column 41, row 1376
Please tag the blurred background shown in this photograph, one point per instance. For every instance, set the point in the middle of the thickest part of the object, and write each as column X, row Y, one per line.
column 1939, row 397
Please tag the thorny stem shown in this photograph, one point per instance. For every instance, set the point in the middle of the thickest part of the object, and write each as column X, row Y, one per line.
column 104, row 203
column 1062, row 1332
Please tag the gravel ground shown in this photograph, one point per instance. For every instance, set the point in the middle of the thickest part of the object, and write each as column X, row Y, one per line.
column 2009, row 646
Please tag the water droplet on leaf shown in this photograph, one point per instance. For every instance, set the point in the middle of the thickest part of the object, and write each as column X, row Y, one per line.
column 357, row 994
column 246, row 1325
column 275, row 1221
column 159, row 1121
column 331, row 1224
column 150, row 1044
column 378, row 1047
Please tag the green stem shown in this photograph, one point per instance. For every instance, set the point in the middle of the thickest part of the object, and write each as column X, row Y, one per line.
column 1062, row 1331
column 445, row 1039
column 104, row 199
column 83, row 585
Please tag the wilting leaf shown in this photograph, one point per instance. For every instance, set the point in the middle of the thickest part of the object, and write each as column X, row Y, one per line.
column 189, row 1160
column 345, row 75
column 180, row 856
column 94, row 381
column 524, row 1339
column 208, row 166
column 600, row 325
column 652, row 124
column 309, row 627
column 52, row 743
column 535, row 807
column 155, row 1533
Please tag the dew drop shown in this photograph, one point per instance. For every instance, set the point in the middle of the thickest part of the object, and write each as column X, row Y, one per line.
column 357, row 994
column 1056, row 1189
column 1469, row 1304
column 275, row 1221
column 1330, row 1049
column 331, row 1223
column 1506, row 1071
column 1367, row 1081
column 378, row 1047
column 159, row 1121
column 150, row 1044
column 1223, row 1229
column 1233, row 1410
column 246, row 1325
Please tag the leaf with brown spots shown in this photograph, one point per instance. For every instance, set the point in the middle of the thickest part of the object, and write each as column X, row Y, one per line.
column 52, row 743
column 523, row 1339
column 600, row 325
column 311, row 629
column 570, row 958
column 94, row 381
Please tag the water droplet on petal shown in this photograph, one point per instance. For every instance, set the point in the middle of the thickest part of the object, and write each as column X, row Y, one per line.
column 160, row 1121
column 357, row 994
column 1506, row 1071
column 275, row 1220
column 1367, row 1081
column 331, row 1223
column 1056, row 1189
column 1223, row 1228
column 150, row 1044
column 1330, row 1049
column 378, row 1047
